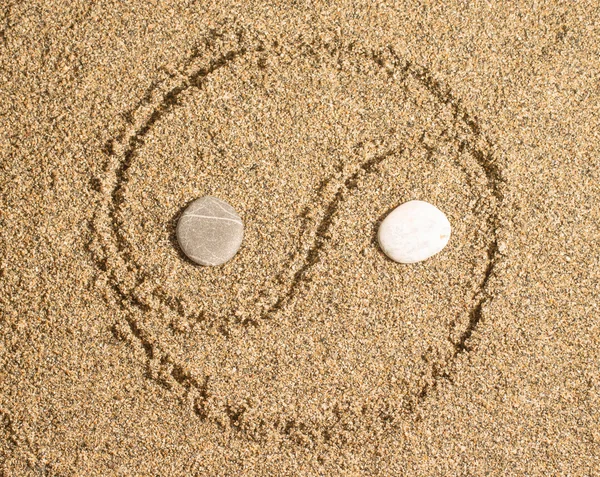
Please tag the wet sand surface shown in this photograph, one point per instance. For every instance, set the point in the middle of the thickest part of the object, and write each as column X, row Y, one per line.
column 310, row 353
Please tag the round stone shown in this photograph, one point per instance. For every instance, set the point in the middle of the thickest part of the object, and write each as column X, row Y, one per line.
column 210, row 231
column 413, row 232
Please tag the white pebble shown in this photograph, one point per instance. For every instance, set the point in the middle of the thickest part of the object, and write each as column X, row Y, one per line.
column 413, row 232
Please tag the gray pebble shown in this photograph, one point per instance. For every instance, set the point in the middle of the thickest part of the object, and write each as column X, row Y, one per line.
column 210, row 231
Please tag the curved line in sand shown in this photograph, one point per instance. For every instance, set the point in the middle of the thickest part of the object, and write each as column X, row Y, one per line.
column 129, row 144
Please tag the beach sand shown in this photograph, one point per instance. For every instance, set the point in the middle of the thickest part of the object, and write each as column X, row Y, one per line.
column 310, row 353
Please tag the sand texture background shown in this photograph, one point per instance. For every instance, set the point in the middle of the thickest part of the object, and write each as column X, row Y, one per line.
column 310, row 353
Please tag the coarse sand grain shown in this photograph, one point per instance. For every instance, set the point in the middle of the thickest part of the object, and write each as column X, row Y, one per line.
column 309, row 352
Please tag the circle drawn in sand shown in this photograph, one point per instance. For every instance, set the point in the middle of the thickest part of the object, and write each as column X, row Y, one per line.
column 310, row 332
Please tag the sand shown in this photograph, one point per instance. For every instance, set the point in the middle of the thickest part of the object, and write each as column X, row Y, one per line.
column 310, row 353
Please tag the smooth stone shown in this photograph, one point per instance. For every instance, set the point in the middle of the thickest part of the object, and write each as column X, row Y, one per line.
column 413, row 232
column 210, row 231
